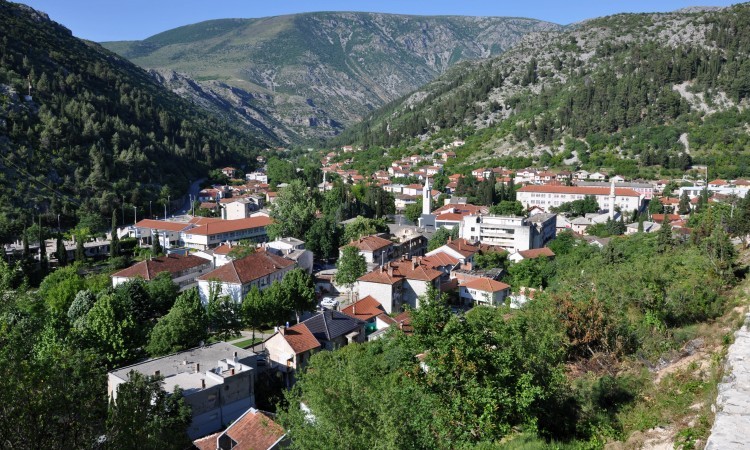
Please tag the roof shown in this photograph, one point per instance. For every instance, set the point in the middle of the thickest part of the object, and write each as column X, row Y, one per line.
column 404, row 322
column 369, row 243
column 329, row 325
column 486, row 285
column 364, row 309
column 396, row 271
column 149, row 269
column 249, row 268
column 254, row 430
column 536, row 253
column 225, row 226
column 462, row 246
column 439, row 259
column 461, row 208
column 300, row 338
column 580, row 190
column 161, row 225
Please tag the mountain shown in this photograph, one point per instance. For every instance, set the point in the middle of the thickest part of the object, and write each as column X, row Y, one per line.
column 639, row 93
column 310, row 75
column 83, row 130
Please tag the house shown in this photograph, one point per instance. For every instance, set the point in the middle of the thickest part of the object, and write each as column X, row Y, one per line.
column 184, row 270
column 235, row 208
column 257, row 176
column 398, row 283
column 209, row 195
column 582, row 175
column 231, row 172
column 598, row 176
column 375, row 249
column 510, row 232
column 460, row 249
column 294, row 249
column 548, row 196
column 484, row 291
column 543, row 252
column 212, row 233
column 168, row 231
column 579, row 225
column 372, row 313
column 238, row 276
column 254, row 430
column 648, row 227
column 645, row 189
column 218, row 383
column 334, row 329
column 290, row 348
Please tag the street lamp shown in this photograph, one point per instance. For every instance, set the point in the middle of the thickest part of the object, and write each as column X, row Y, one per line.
column 150, row 212
column 135, row 214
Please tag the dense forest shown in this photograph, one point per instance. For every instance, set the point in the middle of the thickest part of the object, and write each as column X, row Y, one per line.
column 95, row 131
column 618, row 91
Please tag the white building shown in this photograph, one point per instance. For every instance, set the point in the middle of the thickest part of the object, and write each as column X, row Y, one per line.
column 547, row 196
column 483, row 291
column 512, row 233
column 398, row 283
column 211, row 234
column 375, row 249
column 184, row 270
column 294, row 249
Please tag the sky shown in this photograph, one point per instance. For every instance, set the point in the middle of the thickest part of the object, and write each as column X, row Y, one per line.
column 114, row 20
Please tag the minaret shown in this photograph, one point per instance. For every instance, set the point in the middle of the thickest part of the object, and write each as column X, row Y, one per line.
column 426, row 197
column 612, row 198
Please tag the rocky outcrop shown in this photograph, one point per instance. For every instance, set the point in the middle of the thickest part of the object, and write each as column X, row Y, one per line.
column 732, row 424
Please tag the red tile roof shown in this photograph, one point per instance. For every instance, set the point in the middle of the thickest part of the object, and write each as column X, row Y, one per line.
column 439, row 259
column 536, row 253
column 718, row 182
column 404, row 322
column 364, row 309
column 300, row 338
column 449, row 217
column 461, row 208
column 659, row 218
column 486, row 285
column 149, row 269
column 395, row 271
column 249, row 268
column 207, row 442
column 369, row 243
column 580, row 190
column 462, row 246
column 161, row 225
column 254, row 431
column 225, row 226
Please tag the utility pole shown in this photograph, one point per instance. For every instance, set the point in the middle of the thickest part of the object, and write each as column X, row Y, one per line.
column 135, row 214
column 123, row 210
column 150, row 212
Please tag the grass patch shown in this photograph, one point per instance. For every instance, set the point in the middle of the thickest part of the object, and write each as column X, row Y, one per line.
column 247, row 342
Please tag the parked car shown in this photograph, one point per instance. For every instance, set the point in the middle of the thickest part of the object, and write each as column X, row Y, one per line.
column 329, row 303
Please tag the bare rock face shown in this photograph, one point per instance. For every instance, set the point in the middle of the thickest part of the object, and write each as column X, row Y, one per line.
column 732, row 424
column 310, row 75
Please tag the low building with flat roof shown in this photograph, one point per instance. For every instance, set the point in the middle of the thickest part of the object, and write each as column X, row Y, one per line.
column 218, row 383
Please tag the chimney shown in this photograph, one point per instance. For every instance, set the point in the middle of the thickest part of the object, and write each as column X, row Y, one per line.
column 450, row 239
column 354, row 308
column 156, row 373
column 282, row 331
column 197, row 367
column 390, row 270
column 203, row 383
column 232, row 371
column 401, row 325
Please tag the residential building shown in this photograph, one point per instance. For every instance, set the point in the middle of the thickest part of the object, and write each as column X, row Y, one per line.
column 235, row 208
column 290, row 348
column 254, row 430
column 645, row 189
column 210, row 235
column 371, row 312
column 375, row 249
column 184, row 270
column 238, row 276
column 218, row 383
column 398, row 283
column 460, row 249
column 543, row 252
column 168, row 231
column 231, row 172
column 509, row 232
column 484, row 292
column 257, row 176
column 294, row 249
column 547, row 196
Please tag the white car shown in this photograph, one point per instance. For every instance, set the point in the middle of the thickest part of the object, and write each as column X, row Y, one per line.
column 329, row 303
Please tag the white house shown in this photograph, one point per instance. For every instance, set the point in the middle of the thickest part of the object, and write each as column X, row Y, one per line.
column 484, row 291
column 548, row 196
column 398, row 283
column 237, row 277
column 375, row 249
column 211, row 234
column 294, row 249
column 510, row 232
column 184, row 270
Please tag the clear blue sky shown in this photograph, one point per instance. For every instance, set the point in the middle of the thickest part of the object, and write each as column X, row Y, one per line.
column 109, row 20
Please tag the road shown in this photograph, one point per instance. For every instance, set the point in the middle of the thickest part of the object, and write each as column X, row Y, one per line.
column 195, row 187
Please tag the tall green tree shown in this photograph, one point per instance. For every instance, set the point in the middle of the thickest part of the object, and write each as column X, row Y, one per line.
column 323, row 238
column 145, row 416
column 256, row 310
column 293, row 212
column 184, row 327
column 62, row 252
column 113, row 331
column 224, row 317
column 114, row 245
column 156, row 248
column 684, row 206
column 362, row 226
column 350, row 266
column 300, row 289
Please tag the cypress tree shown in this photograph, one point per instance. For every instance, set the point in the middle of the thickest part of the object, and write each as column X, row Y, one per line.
column 156, row 249
column 62, row 253
column 114, row 245
column 80, row 249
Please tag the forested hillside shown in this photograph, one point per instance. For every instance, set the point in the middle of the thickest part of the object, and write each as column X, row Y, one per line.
column 96, row 130
column 307, row 76
column 634, row 92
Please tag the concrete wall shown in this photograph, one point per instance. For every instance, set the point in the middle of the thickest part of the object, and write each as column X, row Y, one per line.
column 383, row 293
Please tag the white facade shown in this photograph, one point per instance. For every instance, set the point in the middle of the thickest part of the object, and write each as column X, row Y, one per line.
column 481, row 297
column 510, row 232
column 546, row 197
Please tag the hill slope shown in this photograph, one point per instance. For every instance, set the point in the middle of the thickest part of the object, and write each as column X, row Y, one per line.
column 315, row 73
column 649, row 89
column 96, row 129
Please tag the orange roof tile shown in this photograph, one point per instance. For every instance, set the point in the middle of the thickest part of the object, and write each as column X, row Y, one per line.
column 396, row 271
column 225, row 226
column 439, row 259
column 536, row 253
column 369, row 243
column 364, row 309
column 486, row 285
column 300, row 338
column 161, row 225
column 254, row 431
column 149, row 269
column 249, row 268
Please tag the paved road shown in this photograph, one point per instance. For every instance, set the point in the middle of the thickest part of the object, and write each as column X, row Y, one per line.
column 195, row 187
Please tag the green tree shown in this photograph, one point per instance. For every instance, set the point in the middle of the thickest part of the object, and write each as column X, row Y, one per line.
column 684, row 206
column 491, row 260
column 664, row 240
column 145, row 416
column 114, row 245
column 431, row 317
column 362, row 226
column 414, row 211
column 241, row 250
column 256, row 310
column 280, row 171
column 80, row 307
column 224, row 317
column 62, row 253
column 156, row 248
column 114, row 332
column 293, row 212
column 278, row 302
column 441, row 236
column 59, row 288
column 184, row 327
column 323, row 238
column 162, row 292
column 508, row 208
column 300, row 289
column 350, row 266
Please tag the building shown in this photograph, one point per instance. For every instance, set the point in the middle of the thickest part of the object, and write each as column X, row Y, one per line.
column 240, row 207
column 398, row 283
column 371, row 312
column 254, row 430
column 543, row 252
column 168, row 231
column 375, row 249
column 212, row 234
column 460, row 249
column 512, row 233
column 548, row 196
column 484, row 291
column 294, row 249
column 184, row 270
column 218, row 383
column 237, row 277
column 645, row 189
